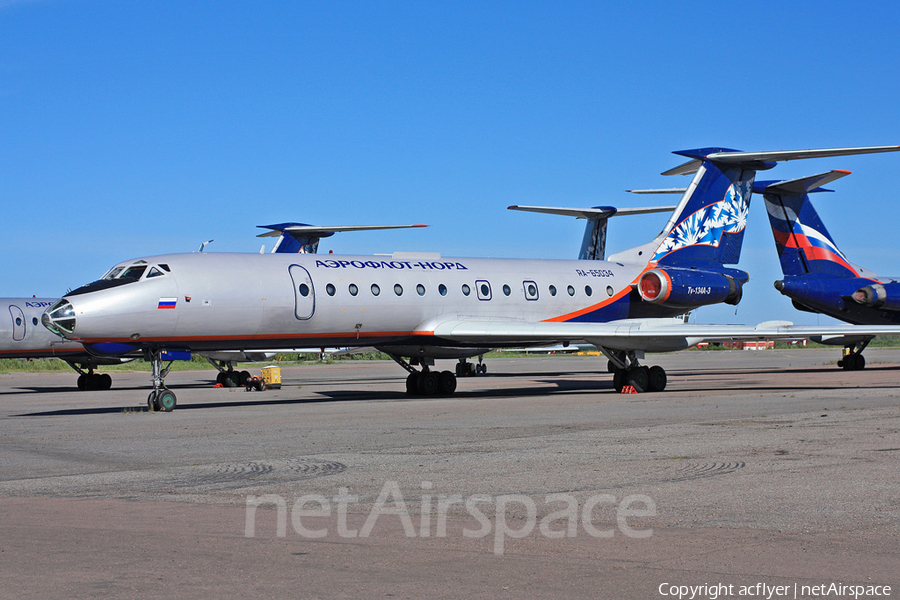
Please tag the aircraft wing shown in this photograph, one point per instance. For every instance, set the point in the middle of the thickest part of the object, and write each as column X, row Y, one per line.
column 659, row 335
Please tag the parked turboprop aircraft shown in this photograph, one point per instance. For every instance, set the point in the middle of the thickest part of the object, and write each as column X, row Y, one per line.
column 423, row 306
column 817, row 276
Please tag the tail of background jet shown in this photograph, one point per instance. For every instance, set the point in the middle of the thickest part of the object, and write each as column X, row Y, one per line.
column 801, row 239
column 707, row 227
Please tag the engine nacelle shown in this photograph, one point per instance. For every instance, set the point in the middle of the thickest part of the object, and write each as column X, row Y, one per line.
column 880, row 295
column 688, row 288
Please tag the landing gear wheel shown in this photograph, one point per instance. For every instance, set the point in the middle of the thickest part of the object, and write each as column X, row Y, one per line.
column 82, row 382
column 166, row 400
column 447, row 383
column 658, row 379
column 412, row 383
column 152, row 402
column 244, row 378
column 611, row 367
column 619, row 380
column 853, row 362
column 220, row 378
column 638, row 378
column 105, row 381
column 428, row 383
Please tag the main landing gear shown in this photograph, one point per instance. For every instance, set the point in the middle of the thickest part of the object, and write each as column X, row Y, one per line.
column 90, row 380
column 626, row 371
column 853, row 359
column 227, row 376
column 466, row 369
column 160, row 398
column 426, row 382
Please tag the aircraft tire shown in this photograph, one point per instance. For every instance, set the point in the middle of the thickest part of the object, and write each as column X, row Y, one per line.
column 105, row 381
column 245, row 377
column 428, row 383
column 860, row 362
column 619, row 380
column 412, row 383
column 220, row 378
column 611, row 367
column 166, row 400
column 657, row 379
column 638, row 378
column 152, row 403
column 447, row 383
column 82, row 384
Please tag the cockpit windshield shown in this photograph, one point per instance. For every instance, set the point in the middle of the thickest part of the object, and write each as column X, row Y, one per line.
column 133, row 272
column 122, row 274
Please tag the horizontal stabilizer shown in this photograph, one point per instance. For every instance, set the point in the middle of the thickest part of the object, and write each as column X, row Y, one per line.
column 319, row 231
column 304, row 239
column 593, row 213
column 762, row 160
column 803, row 185
column 659, row 191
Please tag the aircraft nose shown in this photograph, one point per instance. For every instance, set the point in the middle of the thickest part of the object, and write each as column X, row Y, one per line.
column 60, row 318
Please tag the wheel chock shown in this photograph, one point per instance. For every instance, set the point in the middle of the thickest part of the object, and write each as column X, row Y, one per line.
column 629, row 389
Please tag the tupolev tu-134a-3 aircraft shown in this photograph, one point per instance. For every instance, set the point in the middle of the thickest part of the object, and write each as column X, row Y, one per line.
column 421, row 307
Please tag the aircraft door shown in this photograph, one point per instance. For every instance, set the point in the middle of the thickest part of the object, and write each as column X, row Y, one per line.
column 18, row 321
column 304, row 293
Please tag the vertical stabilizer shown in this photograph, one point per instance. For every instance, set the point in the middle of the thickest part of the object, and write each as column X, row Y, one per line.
column 801, row 239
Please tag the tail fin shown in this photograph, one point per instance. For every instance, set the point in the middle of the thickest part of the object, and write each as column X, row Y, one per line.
column 708, row 225
column 803, row 243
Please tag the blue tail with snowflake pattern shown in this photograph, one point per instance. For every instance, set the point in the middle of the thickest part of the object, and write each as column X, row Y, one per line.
column 707, row 227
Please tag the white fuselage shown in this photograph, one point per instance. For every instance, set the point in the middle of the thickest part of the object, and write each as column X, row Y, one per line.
column 243, row 301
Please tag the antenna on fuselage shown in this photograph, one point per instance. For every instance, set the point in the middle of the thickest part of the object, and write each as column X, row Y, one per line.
column 205, row 244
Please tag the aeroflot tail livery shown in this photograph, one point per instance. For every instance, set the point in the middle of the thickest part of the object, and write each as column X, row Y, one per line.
column 419, row 307
column 817, row 276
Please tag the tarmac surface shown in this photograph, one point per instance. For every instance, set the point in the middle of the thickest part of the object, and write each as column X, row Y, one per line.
column 766, row 468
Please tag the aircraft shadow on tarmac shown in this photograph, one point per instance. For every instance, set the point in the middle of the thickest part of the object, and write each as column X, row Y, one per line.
column 555, row 383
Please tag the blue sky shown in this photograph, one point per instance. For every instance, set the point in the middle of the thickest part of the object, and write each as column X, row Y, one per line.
column 136, row 128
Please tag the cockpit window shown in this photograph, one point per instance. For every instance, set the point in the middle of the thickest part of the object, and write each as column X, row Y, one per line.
column 112, row 273
column 165, row 267
column 154, row 272
column 133, row 272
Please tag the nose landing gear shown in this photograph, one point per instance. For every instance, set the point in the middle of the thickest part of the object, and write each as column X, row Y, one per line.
column 160, row 398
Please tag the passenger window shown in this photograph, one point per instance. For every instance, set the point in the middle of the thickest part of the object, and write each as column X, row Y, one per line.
column 587, row 290
column 304, row 290
column 506, row 290
column 466, row 290
column 552, row 290
column 484, row 289
column 610, row 291
column 34, row 321
column 330, row 290
column 375, row 289
column 442, row 290
column 353, row 289
column 420, row 289
column 398, row 289
column 571, row 290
